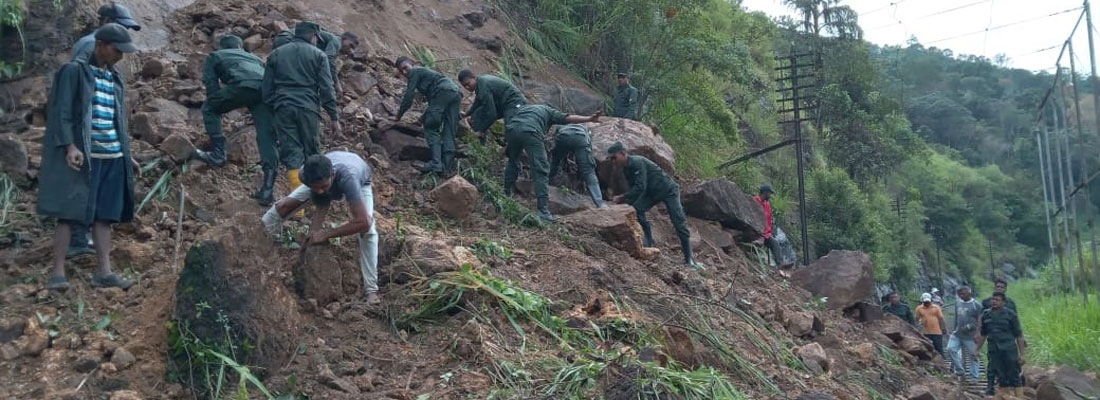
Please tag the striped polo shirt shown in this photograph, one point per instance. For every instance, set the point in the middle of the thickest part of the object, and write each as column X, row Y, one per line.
column 105, row 143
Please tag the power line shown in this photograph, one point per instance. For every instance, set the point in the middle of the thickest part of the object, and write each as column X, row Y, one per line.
column 1045, row 49
column 1005, row 25
column 935, row 13
column 892, row 4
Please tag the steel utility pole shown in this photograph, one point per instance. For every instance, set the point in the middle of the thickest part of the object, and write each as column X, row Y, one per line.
column 1054, row 198
column 1072, row 210
column 795, row 70
column 1096, row 109
column 1062, row 187
column 1046, row 195
column 1084, row 177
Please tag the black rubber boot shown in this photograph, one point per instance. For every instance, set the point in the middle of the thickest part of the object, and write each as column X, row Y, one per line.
column 216, row 156
column 266, row 195
column 647, row 236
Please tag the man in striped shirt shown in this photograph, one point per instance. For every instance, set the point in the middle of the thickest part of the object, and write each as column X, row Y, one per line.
column 87, row 171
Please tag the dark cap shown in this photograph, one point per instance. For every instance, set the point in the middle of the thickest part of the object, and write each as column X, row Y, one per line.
column 624, row 74
column 230, row 42
column 115, row 34
column 120, row 15
column 282, row 38
column 766, row 188
column 616, row 149
column 306, row 28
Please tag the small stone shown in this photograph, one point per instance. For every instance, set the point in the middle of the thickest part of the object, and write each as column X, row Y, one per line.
column 108, row 368
column 72, row 341
column 177, row 146
column 865, row 351
column 9, row 351
column 455, row 198
column 814, row 356
column 123, row 358
column 365, row 382
column 34, row 339
column 112, row 293
column 85, row 365
column 153, row 68
column 326, row 314
column 125, row 395
column 919, row 392
column 11, row 329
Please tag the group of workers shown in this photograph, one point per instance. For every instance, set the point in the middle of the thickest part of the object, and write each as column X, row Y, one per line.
column 994, row 321
column 87, row 174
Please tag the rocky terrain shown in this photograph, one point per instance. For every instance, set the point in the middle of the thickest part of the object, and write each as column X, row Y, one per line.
column 479, row 300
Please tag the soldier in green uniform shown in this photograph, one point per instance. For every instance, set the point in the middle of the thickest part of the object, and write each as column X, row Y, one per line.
column 243, row 75
column 648, row 186
column 525, row 132
column 440, row 120
column 577, row 140
column 297, row 85
column 1001, row 326
column 626, row 100
column 331, row 44
column 999, row 286
column 495, row 98
column 901, row 310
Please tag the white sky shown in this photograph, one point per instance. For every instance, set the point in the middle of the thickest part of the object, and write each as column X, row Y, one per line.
column 892, row 22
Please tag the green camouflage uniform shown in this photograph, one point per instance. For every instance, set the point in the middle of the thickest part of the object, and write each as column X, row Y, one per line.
column 496, row 99
column 577, row 140
column 440, row 120
column 297, row 85
column 1001, row 328
column 626, row 102
column 649, row 186
column 243, row 74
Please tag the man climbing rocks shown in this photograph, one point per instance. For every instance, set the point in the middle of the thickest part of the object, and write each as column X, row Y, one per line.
column 999, row 286
column 768, row 236
column 334, row 176
column 525, row 132
column 930, row 319
column 81, row 243
column 87, row 173
column 577, row 140
column 329, row 43
column 626, row 99
column 495, row 98
column 648, row 186
column 1001, row 326
column 440, row 120
column 297, row 85
column 967, row 312
column 109, row 13
column 243, row 75
column 896, row 307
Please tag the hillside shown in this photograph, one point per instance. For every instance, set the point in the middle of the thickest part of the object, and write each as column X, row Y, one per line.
column 481, row 306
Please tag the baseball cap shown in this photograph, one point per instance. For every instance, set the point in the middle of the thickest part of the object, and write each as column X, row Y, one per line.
column 616, row 149
column 120, row 14
column 623, row 74
column 765, row 188
column 115, row 34
column 926, row 297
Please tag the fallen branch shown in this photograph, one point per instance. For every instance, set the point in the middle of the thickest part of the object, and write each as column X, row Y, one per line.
column 179, row 229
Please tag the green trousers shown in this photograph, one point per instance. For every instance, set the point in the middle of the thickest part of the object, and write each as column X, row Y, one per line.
column 675, row 213
column 440, row 127
column 516, row 143
column 230, row 98
column 299, row 131
column 580, row 146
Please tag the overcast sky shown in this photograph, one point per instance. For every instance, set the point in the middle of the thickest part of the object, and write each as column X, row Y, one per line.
column 892, row 22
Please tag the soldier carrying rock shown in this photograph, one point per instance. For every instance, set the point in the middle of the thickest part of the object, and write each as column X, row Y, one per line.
column 440, row 120
column 495, row 98
column 577, row 140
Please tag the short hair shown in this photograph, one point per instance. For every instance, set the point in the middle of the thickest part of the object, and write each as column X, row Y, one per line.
column 401, row 60
column 1001, row 295
column 1000, row 280
column 465, row 74
column 891, row 294
column 348, row 36
column 316, row 169
column 961, row 288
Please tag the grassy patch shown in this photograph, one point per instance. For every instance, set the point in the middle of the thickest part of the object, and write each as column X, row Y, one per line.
column 480, row 171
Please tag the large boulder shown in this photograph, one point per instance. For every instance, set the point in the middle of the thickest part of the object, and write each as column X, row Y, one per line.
column 722, row 201
column 574, row 100
column 617, row 225
column 1066, row 383
column 455, row 198
column 178, row 147
column 843, row 277
column 229, row 292
column 1035, row 376
column 328, row 272
column 426, row 256
column 814, row 356
column 562, row 201
column 402, row 145
column 638, row 139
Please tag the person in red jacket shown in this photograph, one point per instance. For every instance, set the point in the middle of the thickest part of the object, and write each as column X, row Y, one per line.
column 767, row 238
